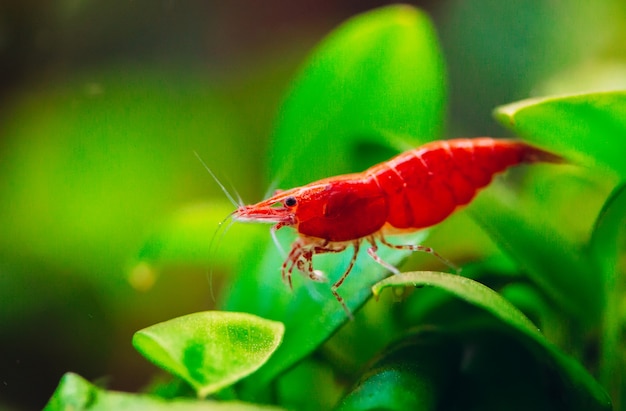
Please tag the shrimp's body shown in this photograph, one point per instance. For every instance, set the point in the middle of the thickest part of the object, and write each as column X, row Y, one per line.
column 414, row 190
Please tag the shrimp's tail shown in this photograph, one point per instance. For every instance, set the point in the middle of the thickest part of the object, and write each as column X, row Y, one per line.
column 532, row 154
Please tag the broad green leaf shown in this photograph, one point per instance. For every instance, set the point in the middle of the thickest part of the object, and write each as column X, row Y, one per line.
column 410, row 376
column 435, row 304
column 583, row 392
column 552, row 261
column 210, row 350
column 376, row 79
column 75, row 393
column 588, row 129
column 466, row 289
column 607, row 245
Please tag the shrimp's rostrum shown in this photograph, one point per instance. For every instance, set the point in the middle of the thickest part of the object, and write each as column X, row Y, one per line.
column 414, row 190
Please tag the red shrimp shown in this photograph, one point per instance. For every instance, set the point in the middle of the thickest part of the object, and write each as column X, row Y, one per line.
column 414, row 190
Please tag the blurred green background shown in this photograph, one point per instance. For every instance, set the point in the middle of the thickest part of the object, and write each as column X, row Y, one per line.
column 102, row 105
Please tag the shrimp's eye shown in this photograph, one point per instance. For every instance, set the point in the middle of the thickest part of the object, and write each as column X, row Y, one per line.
column 290, row 201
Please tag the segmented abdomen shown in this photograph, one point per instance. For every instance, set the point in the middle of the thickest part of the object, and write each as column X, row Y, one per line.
column 423, row 186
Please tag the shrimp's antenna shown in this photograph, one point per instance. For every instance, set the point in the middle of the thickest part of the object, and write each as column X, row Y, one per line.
column 228, row 195
column 276, row 242
column 211, row 249
column 239, row 199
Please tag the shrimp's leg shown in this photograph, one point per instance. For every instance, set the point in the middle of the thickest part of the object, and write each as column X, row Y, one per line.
column 290, row 263
column 305, row 265
column 341, row 279
column 372, row 253
column 301, row 258
column 412, row 247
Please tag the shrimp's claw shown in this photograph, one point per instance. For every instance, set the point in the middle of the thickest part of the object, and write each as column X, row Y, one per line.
column 287, row 280
column 318, row 276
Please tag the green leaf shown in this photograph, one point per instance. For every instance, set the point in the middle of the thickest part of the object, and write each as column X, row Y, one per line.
column 377, row 78
column 552, row 261
column 607, row 244
column 467, row 289
column 409, row 376
column 75, row 393
column 437, row 305
column 210, row 350
column 588, row 129
column 583, row 392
